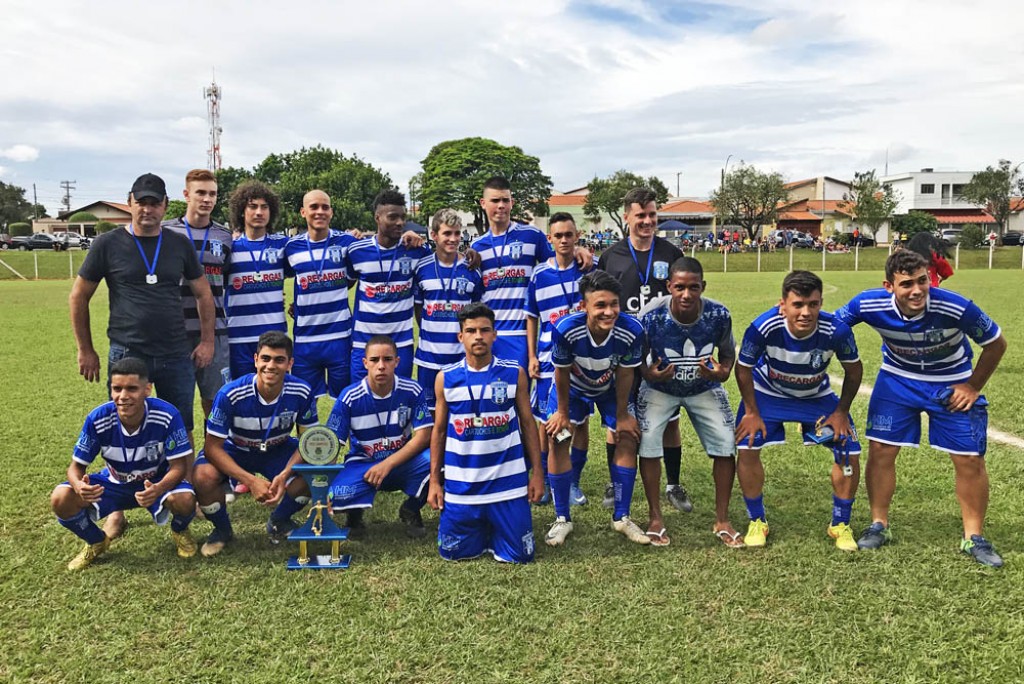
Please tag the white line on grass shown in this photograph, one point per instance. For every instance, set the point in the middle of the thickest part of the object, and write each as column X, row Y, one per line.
column 12, row 270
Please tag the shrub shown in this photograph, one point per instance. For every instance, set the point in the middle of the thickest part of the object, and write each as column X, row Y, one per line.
column 19, row 228
column 82, row 217
column 972, row 236
column 104, row 227
column 915, row 222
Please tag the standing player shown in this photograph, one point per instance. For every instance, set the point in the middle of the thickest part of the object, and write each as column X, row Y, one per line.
column 444, row 284
column 145, row 447
column 683, row 331
column 595, row 352
column 926, row 368
column 783, row 377
column 386, row 423
column 482, row 427
column 640, row 263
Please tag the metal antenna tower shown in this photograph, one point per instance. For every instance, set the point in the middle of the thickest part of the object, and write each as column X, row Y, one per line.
column 212, row 95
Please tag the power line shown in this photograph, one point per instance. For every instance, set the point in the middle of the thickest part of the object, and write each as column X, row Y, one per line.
column 68, row 186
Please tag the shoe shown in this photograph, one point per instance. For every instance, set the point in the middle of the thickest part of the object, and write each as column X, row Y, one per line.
column 413, row 521
column 981, row 550
column 280, row 529
column 843, row 534
column 184, row 542
column 874, row 537
column 354, row 523
column 215, row 543
column 678, row 497
column 630, row 530
column 609, row 496
column 90, row 553
column 757, row 533
column 577, row 497
column 545, row 500
column 558, row 531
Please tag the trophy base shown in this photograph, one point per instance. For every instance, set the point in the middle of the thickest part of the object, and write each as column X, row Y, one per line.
column 320, row 562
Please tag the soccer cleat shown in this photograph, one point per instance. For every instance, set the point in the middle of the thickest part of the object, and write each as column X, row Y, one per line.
column 184, row 542
column 413, row 521
column 90, row 553
column 558, row 531
column 280, row 529
column 630, row 530
column 843, row 534
column 577, row 497
column 609, row 496
column 214, row 544
column 757, row 533
column 678, row 497
column 875, row 536
column 980, row 549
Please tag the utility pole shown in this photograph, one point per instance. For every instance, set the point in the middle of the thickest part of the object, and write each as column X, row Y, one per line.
column 35, row 202
column 677, row 182
column 67, row 186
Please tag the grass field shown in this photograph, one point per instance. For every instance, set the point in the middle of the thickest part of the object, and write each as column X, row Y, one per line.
column 598, row 610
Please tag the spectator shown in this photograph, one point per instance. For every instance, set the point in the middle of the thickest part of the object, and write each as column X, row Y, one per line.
column 934, row 251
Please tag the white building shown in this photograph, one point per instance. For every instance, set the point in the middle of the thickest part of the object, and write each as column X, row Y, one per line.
column 939, row 194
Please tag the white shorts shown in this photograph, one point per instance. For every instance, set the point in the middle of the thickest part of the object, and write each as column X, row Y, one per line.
column 709, row 412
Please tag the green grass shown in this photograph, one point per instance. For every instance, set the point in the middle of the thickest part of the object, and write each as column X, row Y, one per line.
column 598, row 610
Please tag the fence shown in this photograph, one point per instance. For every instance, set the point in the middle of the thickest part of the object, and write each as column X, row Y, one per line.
column 40, row 265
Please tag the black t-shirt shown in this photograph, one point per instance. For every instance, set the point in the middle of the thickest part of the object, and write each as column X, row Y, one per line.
column 618, row 261
column 145, row 318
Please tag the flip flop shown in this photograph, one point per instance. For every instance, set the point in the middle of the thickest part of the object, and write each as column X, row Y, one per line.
column 733, row 540
column 659, row 538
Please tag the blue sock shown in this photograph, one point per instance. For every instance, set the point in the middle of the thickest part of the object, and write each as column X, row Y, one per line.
column 755, row 508
column 841, row 509
column 288, row 507
column 179, row 523
column 579, row 459
column 217, row 514
column 624, row 480
column 83, row 527
column 560, row 485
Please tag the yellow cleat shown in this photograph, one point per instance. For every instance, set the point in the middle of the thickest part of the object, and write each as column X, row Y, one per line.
column 757, row 533
column 184, row 542
column 843, row 535
column 90, row 553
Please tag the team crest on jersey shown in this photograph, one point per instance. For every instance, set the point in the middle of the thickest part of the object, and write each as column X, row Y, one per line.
column 421, row 413
column 499, row 392
column 461, row 285
column 405, row 266
column 153, row 451
column 217, row 248
column 403, row 415
column 661, row 270
column 933, row 336
column 334, row 253
column 270, row 255
column 516, row 250
column 286, row 420
column 817, row 360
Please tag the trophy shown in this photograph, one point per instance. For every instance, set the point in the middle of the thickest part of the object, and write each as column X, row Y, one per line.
column 318, row 447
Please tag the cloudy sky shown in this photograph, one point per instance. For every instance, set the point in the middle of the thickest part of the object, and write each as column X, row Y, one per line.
column 99, row 92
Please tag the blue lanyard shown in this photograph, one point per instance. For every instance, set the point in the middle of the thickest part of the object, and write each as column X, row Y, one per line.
column 650, row 259
column 273, row 416
column 323, row 257
column 469, row 388
column 380, row 259
column 120, row 436
column 504, row 242
column 257, row 261
column 570, row 297
column 150, row 268
column 445, row 289
column 202, row 250
column 382, row 425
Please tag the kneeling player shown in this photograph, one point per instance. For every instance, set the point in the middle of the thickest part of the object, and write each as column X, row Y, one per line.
column 248, row 435
column 144, row 444
column 482, row 425
column 386, row 423
column 783, row 377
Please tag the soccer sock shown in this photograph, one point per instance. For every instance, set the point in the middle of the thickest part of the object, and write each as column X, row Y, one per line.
column 414, row 502
column 544, row 465
column 755, row 508
column 83, row 527
column 673, row 457
column 579, row 459
column 218, row 516
column 841, row 510
column 610, row 452
column 289, row 507
column 179, row 522
column 560, row 485
column 623, row 479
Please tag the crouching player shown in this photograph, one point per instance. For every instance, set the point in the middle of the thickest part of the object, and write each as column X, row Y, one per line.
column 248, row 435
column 783, row 377
column 386, row 423
column 144, row 444
column 595, row 352
column 482, row 426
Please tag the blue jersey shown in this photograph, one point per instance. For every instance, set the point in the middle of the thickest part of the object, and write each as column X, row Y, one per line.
column 136, row 457
column 685, row 345
column 376, row 427
column 441, row 292
column 384, row 298
column 506, row 263
column 242, row 417
column 592, row 365
column 254, row 296
column 788, row 366
column 483, row 453
column 932, row 346
column 553, row 294
column 321, row 286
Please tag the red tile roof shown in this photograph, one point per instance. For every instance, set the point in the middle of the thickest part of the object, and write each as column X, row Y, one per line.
column 798, row 216
column 567, row 200
column 965, row 218
column 686, row 207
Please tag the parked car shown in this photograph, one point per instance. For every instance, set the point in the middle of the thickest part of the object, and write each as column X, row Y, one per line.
column 5, row 241
column 37, row 241
column 71, row 239
column 1013, row 238
column 951, row 236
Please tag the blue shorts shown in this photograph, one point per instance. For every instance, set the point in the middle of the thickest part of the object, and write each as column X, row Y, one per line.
column 511, row 348
column 539, row 398
column 778, row 410
column 505, row 528
column 269, row 465
column 582, row 407
column 350, row 490
column 404, row 369
column 118, row 496
column 894, row 417
column 173, row 377
column 314, row 359
column 241, row 358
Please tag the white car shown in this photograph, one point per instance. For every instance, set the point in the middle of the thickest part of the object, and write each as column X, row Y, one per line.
column 72, row 239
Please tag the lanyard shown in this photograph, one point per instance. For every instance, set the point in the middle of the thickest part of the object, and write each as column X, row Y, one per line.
column 650, row 259
column 150, row 268
column 273, row 416
column 569, row 296
column 469, row 388
column 504, row 243
column 257, row 261
column 380, row 260
column 202, row 250
column 120, row 436
column 382, row 424
column 445, row 289
column 323, row 257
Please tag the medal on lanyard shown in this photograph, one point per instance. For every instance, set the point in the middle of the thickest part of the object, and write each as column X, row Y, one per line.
column 380, row 261
column 151, row 278
column 323, row 257
column 265, row 443
column 202, row 250
column 566, row 294
column 478, row 420
column 645, row 289
column 382, row 425
column 501, row 256
column 445, row 289
column 258, row 260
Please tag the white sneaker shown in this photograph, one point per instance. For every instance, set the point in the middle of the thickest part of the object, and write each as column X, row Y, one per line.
column 559, row 530
column 630, row 530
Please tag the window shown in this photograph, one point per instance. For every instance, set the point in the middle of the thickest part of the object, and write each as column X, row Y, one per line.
column 958, row 190
column 927, row 188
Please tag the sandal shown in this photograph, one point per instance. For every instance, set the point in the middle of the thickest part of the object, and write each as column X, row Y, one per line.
column 731, row 539
column 659, row 538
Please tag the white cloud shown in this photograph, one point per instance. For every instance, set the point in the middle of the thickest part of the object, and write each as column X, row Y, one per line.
column 20, row 153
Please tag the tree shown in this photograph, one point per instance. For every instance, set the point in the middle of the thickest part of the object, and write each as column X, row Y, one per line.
column 39, row 211
column 749, row 198
column 415, row 197
column 972, row 236
column 82, row 217
column 228, row 178
column 104, row 227
column 176, row 208
column 605, row 195
column 992, row 188
column 915, row 222
column 868, row 201
column 13, row 205
column 454, row 173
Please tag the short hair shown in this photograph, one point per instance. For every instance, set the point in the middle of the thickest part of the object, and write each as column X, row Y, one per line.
column 642, row 196
column 804, row 283
column 199, row 175
column 560, row 216
column 130, row 365
column 247, row 192
column 386, row 197
column 686, row 264
column 448, row 217
column 599, row 281
column 381, row 339
column 903, row 261
column 497, row 183
column 475, row 310
column 275, row 339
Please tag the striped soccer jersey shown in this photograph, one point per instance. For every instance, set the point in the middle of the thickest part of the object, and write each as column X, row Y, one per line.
column 321, row 286
column 213, row 247
column 553, row 294
column 441, row 292
column 376, row 427
column 592, row 365
column 507, row 264
column 254, row 296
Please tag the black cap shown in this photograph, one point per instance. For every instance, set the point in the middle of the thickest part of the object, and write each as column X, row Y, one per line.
column 151, row 186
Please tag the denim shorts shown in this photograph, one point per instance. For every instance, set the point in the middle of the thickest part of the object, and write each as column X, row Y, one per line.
column 709, row 412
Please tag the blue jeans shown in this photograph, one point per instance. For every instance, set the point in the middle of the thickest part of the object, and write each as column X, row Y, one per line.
column 173, row 377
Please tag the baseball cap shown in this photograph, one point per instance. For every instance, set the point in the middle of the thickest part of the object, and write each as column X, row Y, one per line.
column 149, row 185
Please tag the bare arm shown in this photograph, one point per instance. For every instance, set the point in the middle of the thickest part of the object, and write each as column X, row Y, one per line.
column 203, row 353
column 88, row 360
column 751, row 423
column 420, row 440
column 531, row 347
column 438, row 439
column 966, row 393
column 531, row 438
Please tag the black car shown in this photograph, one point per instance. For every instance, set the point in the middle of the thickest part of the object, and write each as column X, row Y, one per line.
column 1013, row 238
column 37, row 241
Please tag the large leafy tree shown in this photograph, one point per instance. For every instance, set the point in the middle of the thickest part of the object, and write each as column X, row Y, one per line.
column 176, row 208
column 749, row 198
column 228, row 178
column 915, row 222
column 454, row 173
column 868, row 201
column 13, row 205
column 992, row 189
column 605, row 195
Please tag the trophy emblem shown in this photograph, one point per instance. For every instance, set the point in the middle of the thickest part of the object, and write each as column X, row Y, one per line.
column 319, row 448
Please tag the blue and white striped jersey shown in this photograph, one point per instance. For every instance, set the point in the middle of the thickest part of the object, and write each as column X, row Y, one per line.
column 441, row 292
column 254, row 296
column 552, row 294
column 141, row 455
column 242, row 417
column 507, row 263
column 376, row 427
column 788, row 366
column 321, row 286
column 592, row 365
column 932, row 346
column 384, row 298
column 483, row 453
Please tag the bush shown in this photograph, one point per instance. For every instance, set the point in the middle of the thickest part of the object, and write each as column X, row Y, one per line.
column 19, row 229
column 972, row 236
column 82, row 217
column 104, row 227
column 844, row 239
column 915, row 222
